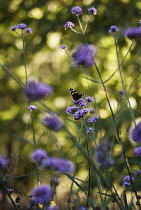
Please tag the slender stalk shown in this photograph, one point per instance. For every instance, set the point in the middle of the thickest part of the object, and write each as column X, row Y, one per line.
column 89, row 171
column 24, row 59
column 122, row 81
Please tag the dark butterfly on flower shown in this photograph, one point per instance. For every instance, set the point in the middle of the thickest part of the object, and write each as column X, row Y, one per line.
column 75, row 95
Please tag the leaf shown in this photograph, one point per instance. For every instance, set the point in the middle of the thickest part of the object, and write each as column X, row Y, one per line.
column 21, row 138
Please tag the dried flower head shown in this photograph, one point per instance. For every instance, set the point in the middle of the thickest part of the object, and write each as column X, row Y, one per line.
column 76, row 10
column 84, row 55
column 92, row 10
column 35, row 91
column 133, row 33
column 53, row 122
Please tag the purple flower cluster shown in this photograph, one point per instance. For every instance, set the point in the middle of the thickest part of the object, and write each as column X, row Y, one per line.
column 32, row 107
column 35, row 91
column 133, row 33
column 90, row 130
column 63, row 47
column 93, row 119
column 136, row 133
column 103, row 156
column 42, row 194
column 71, row 109
column 137, row 151
column 3, row 161
column 80, row 113
column 84, row 55
column 38, row 155
column 68, row 24
column 76, row 10
column 89, row 99
column 92, row 10
column 53, row 122
column 113, row 29
column 21, row 26
column 127, row 181
column 58, row 164
column 53, row 163
column 81, row 102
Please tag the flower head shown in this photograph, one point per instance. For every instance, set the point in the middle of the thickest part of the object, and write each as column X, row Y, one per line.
column 89, row 99
column 113, row 29
column 28, row 30
column 93, row 119
column 136, row 133
column 53, row 122
column 125, row 184
column 71, row 109
column 21, row 26
column 90, row 130
column 80, row 102
column 137, row 151
column 76, row 10
column 139, row 21
column 80, row 113
column 84, row 55
column 35, row 91
column 13, row 28
column 58, row 164
column 128, row 178
column 92, row 10
column 133, row 33
column 63, row 47
column 69, row 24
column 38, row 155
column 32, row 107
column 42, row 194
column 103, row 154
column 3, row 161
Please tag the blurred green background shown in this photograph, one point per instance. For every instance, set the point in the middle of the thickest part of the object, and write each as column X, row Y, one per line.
column 47, row 63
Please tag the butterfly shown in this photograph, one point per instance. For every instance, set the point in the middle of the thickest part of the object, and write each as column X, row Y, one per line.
column 75, row 95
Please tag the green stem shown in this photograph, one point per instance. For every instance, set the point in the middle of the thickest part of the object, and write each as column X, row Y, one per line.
column 24, row 58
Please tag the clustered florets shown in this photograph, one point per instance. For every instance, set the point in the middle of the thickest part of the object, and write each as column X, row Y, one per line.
column 21, row 26
column 136, row 133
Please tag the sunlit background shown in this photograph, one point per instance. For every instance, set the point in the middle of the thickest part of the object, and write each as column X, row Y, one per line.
column 47, row 63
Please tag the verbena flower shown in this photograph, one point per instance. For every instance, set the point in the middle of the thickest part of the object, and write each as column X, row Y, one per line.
column 35, row 91
column 103, row 154
column 90, row 130
column 80, row 113
column 136, row 133
column 63, row 46
column 137, row 151
column 92, row 10
column 58, row 164
column 84, row 55
column 89, row 99
column 21, row 26
column 3, row 161
column 32, row 107
column 81, row 102
column 69, row 24
column 125, row 184
column 128, row 178
column 113, row 29
column 13, row 28
column 93, row 119
column 76, row 10
column 42, row 195
column 133, row 33
column 38, row 155
column 139, row 21
column 71, row 109
column 28, row 30
column 53, row 122
column 52, row 208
